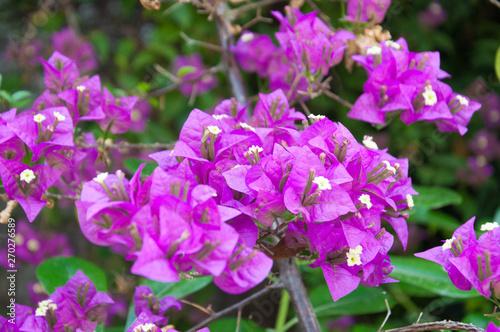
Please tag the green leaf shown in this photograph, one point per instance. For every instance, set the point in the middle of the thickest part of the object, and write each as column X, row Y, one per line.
column 55, row 272
column 132, row 164
column 435, row 197
column 229, row 324
column 437, row 219
column 6, row 96
column 20, row 95
column 183, row 71
column 427, row 275
column 363, row 300
column 497, row 63
column 175, row 289
column 0, row 80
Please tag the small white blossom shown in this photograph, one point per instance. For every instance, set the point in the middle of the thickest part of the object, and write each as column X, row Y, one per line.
column 462, row 100
column 44, row 306
column 365, row 199
column 255, row 149
column 39, row 118
column 389, row 167
column 448, row 243
column 27, row 176
column 101, row 177
column 236, row 166
column 81, row 88
column 489, row 226
column 322, row 182
column 354, row 256
column 247, row 126
column 410, row 202
column 219, row 116
column 59, row 116
column 374, row 50
column 393, row 44
column 33, row 245
column 144, row 327
column 172, row 152
column 316, row 117
column 247, row 37
column 430, row 97
column 369, row 143
column 214, row 130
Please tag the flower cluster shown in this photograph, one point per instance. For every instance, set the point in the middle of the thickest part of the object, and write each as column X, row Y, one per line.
column 143, row 324
column 81, row 51
column 308, row 49
column 77, row 306
column 328, row 193
column 38, row 148
column 471, row 262
column 168, row 224
column 407, row 84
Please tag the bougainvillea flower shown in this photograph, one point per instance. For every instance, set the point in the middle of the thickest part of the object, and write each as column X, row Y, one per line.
column 189, row 67
column 146, row 302
column 75, row 47
column 60, row 72
column 27, row 184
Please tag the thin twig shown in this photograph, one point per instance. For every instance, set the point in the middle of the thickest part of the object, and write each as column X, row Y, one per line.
column 332, row 95
column 257, row 19
column 127, row 145
column 496, row 3
column 58, row 196
column 386, row 316
column 197, row 306
column 175, row 86
column 237, row 12
column 238, row 320
column 304, row 107
column 443, row 325
column 200, row 43
column 166, row 73
column 238, row 305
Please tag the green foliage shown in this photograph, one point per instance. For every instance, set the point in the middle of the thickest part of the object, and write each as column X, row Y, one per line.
column 229, row 324
column 55, row 272
column 497, row 63
column 428, row 276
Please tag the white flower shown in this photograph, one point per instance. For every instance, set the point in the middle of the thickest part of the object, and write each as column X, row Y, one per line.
column 247, row 126
column 410, row 202
column 27, row 176
column 365, row 199
column 389, row 167
column 448, row 243
column 219, row 116
column 81, row 88
column 322, row 182
column 59, row 116
column 255, row 149
column 39, row 118
column 101, row 177
column 172, row 151
column 374, row 50
column 354, row 256
column 144, row 327
column 369, row 143
column 316, row 117
column 44, row 306
column 430, row 97
column 33, row 245
column 462, row 100
column 393, row 44
column 247, row 37
column 214, row 130
column 489, row 226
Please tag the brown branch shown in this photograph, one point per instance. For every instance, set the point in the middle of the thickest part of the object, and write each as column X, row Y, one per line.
column 291, row 278
column 235, row 306
column 191, row 41
column 496, row 3
column 443, row 325
column 231, row 67
column 58, row 196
